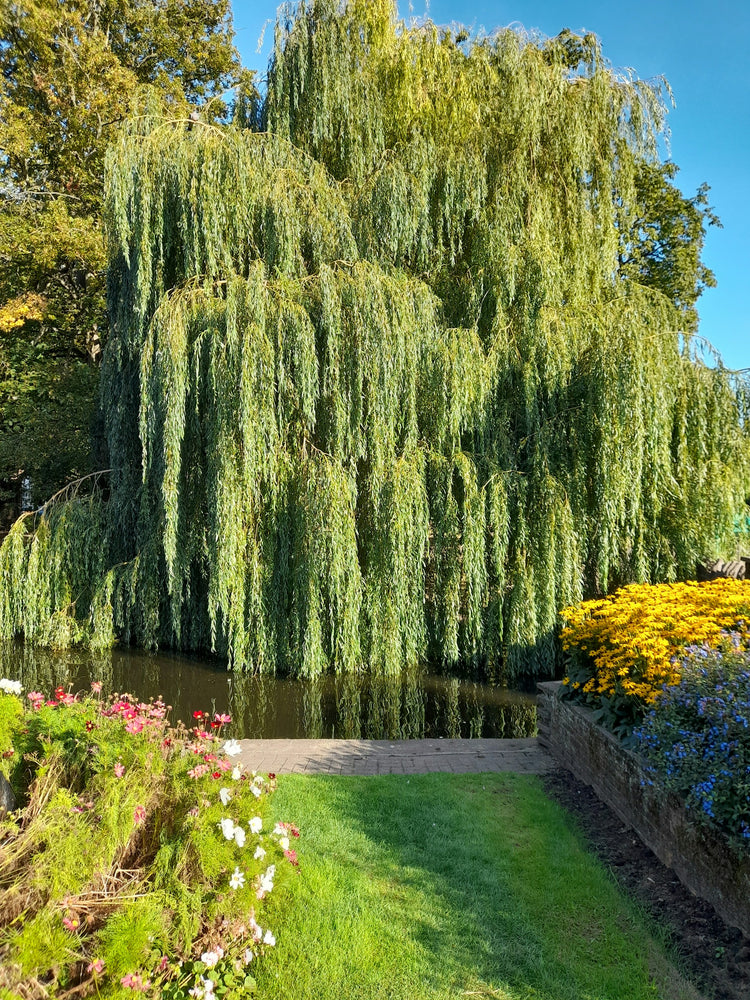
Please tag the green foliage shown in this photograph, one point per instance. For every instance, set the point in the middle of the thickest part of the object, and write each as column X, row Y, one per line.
column 126, row 861
column 69, row 73
column 695, row 740
column 402, row 374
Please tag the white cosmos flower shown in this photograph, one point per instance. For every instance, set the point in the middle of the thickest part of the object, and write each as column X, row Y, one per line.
column 256, row 824
column 248, row 956
column 237, row 880
column 255, row 790
column 209, row 959
column 279, row 829
column 259, row 853
column 268, row 938
column 239, row 836
column 227, row 828
column 10, row 687
column 232, row 748
column 225, row 795
column 236, row 772
column 284, row 843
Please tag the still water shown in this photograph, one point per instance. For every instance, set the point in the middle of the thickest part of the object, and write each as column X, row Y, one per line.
column 413, row 705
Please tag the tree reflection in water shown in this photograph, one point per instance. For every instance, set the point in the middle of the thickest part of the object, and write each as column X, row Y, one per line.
column 413, row 705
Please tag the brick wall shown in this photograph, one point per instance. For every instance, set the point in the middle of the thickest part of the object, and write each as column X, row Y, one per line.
column 701, row 858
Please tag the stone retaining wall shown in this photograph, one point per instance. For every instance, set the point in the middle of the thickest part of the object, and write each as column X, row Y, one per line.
column 701, row 858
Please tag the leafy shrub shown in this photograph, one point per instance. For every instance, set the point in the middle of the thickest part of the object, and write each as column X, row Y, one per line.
column 696, row 740
column 139, row 861
column 623, row 649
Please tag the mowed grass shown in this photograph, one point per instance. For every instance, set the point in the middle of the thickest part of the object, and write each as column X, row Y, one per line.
column 446, row 886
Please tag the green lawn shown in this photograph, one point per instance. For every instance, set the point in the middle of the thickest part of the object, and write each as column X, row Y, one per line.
column 446, row 886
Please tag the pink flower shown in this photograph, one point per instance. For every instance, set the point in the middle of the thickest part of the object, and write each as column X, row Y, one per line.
column 222, row 719
column 198, row 771
column 139, row 815
column 134, row 981
column 291, row 857
column 134, row 726
column 71, row 923
column 96, row 686
column 96, row 966
column 119, row 770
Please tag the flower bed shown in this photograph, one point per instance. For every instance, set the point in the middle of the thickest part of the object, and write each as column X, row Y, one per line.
column 704, row 860
column 139, row 860
column 623, row 649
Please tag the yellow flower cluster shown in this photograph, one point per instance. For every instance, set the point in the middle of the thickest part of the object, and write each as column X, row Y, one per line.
column 630, row 638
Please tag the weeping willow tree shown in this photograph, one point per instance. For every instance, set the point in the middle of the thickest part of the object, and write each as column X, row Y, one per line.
column 397, row 371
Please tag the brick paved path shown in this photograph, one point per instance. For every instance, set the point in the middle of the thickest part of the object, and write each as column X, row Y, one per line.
column 523, row 756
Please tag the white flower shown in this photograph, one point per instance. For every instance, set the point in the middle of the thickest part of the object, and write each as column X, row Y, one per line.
column 239, row 836
column 259, row 853
column 232, row 748
column 255, row 790
column 271, row 871
column 284, row 843
column 236, row 772
column 256, row 824
column 209, row 959
column 237, row 880
column 197, row 992
column 268, row 938
column 208, row 986
column 255, row 930
column 225, row 795
column 266, row 885
column 10, row 687
column 227, row 828
column 279, row 829
column 248, row 956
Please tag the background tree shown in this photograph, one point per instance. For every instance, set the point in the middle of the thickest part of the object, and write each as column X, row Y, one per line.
column 398, row 375
column 69, row 73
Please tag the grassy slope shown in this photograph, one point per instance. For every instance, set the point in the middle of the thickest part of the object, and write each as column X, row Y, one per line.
column 443, row 886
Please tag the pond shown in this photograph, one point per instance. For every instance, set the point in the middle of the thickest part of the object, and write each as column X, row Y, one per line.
column 413, row 705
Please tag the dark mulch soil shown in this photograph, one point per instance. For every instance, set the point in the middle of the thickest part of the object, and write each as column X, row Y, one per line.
column 713, row 954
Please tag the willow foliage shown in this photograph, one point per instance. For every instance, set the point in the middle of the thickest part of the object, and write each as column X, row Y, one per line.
column 396, row 375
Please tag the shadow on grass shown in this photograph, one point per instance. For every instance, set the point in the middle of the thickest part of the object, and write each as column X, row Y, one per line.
column 441, row 886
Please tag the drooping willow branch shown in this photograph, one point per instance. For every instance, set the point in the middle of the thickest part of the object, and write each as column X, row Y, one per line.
column 378, row 387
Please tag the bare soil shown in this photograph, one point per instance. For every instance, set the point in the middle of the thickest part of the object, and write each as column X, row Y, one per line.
column 715, row 956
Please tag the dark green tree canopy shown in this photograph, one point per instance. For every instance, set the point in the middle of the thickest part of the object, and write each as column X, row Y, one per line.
column 70, row 72
column 399, row 374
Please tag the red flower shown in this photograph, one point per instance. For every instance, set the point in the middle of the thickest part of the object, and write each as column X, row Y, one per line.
column 198, row 715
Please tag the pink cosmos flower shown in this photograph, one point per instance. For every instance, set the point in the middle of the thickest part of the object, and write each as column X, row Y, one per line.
column 119, row 770
column 71, row 923
column 96, row 966
column 222, row 719
column 134, row 726
column 96, row 686
column 134, row 981
column 139, row 815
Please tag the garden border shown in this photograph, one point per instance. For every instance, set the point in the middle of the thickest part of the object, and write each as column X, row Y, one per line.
column 701, row 857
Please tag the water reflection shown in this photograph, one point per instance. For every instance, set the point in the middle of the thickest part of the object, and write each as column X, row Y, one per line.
column 413, row 705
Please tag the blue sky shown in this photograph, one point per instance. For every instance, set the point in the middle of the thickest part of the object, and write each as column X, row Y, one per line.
column 701, row 48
